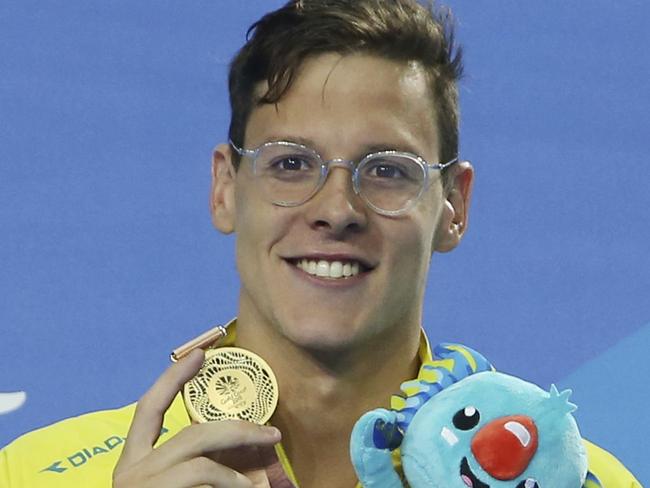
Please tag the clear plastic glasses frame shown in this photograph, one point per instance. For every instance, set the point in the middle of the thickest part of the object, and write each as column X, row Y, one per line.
column 291, row 149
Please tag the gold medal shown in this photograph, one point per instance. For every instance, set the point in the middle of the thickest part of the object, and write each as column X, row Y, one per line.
column 233, row 383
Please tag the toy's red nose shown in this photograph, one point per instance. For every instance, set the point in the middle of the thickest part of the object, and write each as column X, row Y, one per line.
column 505, row 446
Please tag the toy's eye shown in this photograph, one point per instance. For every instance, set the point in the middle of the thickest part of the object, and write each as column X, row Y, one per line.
column 529, row 483
column 467, row 418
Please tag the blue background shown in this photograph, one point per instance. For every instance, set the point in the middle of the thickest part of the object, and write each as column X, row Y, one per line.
column 108, row 114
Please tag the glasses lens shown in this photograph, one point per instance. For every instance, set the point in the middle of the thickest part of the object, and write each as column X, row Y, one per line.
column 391, row 182
column 288, row 173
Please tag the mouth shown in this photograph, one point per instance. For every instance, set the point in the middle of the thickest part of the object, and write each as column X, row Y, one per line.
column 470, row 478
column 330, row 269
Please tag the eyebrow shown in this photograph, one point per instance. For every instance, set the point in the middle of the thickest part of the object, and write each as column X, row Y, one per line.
column 368, row 149
column 305, row 141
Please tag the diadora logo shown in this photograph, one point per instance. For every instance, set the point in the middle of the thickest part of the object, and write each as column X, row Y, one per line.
column 80, row 457
column 11, row 401
column 84, row 455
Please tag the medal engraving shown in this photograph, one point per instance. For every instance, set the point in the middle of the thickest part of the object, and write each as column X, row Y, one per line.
column 233, row 383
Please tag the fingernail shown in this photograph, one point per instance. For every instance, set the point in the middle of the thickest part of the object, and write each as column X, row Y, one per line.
column 272, row 432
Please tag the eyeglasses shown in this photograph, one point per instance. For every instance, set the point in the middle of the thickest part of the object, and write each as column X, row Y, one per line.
column 389, row 182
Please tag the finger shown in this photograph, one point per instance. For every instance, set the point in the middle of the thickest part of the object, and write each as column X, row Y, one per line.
column 202, row 439
column 247, row 459
column 151, row 408
column 200, row 471
column 266, row 458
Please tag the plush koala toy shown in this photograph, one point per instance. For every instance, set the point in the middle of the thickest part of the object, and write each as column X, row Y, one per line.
column 462, row 424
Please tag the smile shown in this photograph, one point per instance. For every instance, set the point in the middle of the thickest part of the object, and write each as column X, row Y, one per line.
column 329, row 269
column 470, row 478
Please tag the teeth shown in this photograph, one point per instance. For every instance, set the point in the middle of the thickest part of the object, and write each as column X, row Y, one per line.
column 323, row 269
column 329, row 269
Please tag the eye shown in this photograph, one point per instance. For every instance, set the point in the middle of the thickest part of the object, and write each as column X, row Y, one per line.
column 467, row 418
column 292, row 163
column 386, row 170
column 529, row 483
column 393, row 169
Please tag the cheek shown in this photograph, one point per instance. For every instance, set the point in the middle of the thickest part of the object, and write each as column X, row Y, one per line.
column 413, row 243
column 429, row 217
column 259, row 226
column 251, row 212
column 252, row 231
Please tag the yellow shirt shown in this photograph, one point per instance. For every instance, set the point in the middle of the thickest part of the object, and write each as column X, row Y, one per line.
column 82, row 451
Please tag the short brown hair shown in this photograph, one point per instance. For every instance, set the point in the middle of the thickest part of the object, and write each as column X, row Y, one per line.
column 399, row 30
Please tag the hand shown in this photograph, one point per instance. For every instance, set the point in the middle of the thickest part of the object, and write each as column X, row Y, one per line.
column 217, row 454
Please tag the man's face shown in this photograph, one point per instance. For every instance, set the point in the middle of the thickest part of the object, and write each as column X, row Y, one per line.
column 343, row 107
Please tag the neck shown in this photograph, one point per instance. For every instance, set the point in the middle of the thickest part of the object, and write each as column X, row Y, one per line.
column 323, row 393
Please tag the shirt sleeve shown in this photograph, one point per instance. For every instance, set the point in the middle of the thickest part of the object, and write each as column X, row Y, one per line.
column 609, row 470
column 77, row 452
column 4, row 473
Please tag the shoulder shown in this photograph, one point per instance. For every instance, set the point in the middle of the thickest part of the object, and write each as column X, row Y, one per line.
column 79, row 451
column 67, row 452
column 609, row 470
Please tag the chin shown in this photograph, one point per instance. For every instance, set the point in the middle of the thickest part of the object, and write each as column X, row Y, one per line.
column 321, row 336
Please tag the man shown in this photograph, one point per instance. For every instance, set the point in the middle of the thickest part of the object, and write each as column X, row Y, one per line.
column 333, row 264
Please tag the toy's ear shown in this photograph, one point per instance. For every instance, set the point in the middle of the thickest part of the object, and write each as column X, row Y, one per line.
column 373, row 437
column 387, row 435
column 592, row 481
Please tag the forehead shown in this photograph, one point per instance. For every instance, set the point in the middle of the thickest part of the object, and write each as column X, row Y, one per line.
column 345, row 102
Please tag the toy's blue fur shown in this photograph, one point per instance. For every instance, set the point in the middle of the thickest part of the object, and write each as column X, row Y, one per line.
column 432, row 448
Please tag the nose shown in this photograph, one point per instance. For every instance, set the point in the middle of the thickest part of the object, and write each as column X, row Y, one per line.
column 336, row 207
column 505, row 446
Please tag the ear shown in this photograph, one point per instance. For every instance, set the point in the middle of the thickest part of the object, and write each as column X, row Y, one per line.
column 222, row 192
column 453, row 221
